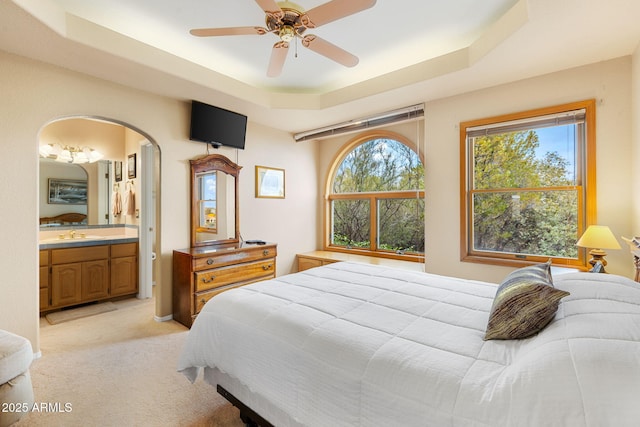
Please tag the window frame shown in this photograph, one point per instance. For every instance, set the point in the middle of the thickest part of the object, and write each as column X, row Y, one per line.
column 372, row 197
column 586, row 186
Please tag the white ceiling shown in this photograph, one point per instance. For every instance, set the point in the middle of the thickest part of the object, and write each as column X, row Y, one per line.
column 410, row 51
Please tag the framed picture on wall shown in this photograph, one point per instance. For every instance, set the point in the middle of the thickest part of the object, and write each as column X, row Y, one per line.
column 131, row 165
column 67, row 192
column 117, row 170
column 269, row 182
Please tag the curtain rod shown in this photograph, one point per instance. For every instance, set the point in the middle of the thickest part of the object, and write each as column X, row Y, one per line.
column 393, row 116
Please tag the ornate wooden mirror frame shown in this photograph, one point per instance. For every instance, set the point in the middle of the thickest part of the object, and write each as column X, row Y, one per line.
column 211, row 217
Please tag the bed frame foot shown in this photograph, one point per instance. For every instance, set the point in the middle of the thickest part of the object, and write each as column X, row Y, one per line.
column 249, row 417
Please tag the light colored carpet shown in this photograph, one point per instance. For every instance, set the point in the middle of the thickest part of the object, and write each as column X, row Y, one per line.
column 119, row 369
column 78, row 313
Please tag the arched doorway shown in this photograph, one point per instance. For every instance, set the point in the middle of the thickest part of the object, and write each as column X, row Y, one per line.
column 131, row 162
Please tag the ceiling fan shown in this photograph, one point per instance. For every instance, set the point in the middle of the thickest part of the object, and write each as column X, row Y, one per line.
column 289, row 21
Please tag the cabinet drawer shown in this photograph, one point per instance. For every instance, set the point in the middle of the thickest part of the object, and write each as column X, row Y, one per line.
column 215, row 278
column 44, row 258
column 44, row 277
column 124, row 249
column 221, row 259
column 44, row 298
column 307, row 263
column 87, row 253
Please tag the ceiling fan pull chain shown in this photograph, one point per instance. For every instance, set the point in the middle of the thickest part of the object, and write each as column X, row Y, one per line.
column 296, row 52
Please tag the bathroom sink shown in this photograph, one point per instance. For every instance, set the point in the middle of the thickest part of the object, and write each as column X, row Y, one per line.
column 69, row 239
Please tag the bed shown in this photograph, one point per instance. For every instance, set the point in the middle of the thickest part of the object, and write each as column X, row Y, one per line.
column 64, row 219
column 351, row 344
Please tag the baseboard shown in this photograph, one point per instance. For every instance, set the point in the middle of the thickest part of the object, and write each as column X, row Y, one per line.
column 163, row 318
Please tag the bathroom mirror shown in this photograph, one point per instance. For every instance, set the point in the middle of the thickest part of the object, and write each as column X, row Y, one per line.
column 55, row 208
column 214, row 201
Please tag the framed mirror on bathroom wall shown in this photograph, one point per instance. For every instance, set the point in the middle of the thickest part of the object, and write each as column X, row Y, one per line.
column 60, row 188
column 214, row 201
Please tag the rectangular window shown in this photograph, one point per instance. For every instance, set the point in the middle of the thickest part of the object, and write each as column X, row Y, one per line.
column 398, row 219
column 528, row 185
column 351, row 219
column 401, row 225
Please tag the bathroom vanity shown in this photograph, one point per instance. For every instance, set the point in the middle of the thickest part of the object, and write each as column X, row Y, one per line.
column 81, row 268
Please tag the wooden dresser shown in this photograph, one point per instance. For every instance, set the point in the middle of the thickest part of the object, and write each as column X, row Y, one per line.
column 201, row 273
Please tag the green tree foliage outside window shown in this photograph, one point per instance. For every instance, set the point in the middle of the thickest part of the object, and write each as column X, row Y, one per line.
column 381, row 179
column 524, row 201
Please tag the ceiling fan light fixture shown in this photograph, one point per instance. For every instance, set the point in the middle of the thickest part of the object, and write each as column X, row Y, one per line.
column 287, row 33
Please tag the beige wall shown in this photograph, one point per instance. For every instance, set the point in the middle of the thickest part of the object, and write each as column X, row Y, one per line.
column 607, row 82
column 635, row 136
column 34, row 94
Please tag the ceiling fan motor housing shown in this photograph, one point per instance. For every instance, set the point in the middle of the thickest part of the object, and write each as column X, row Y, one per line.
column 286, row 25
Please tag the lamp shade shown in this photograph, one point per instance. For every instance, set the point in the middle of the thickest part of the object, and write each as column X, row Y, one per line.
column 599, row 237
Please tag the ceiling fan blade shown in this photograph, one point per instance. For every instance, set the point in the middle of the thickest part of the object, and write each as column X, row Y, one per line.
column 329, row 50
column 278, row 56
column 269, row 6
column 231, row 31
column 334, row 10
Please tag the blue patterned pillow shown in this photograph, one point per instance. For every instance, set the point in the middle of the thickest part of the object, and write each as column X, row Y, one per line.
column 525, row 303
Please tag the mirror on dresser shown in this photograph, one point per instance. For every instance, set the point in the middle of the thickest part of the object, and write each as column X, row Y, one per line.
column 214, row 201
column 217, row 260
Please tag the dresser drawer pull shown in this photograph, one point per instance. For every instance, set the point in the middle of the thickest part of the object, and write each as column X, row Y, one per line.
column 265, row 252
column 203, row 301
column 266, row 267
column 208, row 279
column 209, row 261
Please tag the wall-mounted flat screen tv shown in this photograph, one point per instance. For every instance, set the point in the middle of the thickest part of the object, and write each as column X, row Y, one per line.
column 217, row 126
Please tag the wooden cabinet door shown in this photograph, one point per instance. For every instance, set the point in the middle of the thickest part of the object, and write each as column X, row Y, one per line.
column 66, row 284
column 95, row 279
column 44, row 287
column 307, row 263
column 124, row 275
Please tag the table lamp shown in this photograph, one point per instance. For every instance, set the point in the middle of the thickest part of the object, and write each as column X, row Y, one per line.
column 598, row 238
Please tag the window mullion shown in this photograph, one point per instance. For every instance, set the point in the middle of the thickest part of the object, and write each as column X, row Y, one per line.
column 373, row 222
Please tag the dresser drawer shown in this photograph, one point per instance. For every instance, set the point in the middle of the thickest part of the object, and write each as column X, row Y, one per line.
column 199, row 300
column 221, row 259
column 214, row 278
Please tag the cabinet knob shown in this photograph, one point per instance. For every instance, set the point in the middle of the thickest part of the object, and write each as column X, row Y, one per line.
column 266, row 267
column 209, row 261
column 203, row 301
column 265, row 252
column 208, row 279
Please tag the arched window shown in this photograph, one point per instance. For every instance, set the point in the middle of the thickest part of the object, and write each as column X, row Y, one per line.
column 375, row 198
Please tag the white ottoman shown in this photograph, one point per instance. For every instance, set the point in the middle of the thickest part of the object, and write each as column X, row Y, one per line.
column 16, row 392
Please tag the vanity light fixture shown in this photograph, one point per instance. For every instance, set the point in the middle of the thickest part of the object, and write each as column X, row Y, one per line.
column 70, row 154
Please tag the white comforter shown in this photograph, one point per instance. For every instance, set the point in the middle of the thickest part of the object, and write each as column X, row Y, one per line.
column 361, row 345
